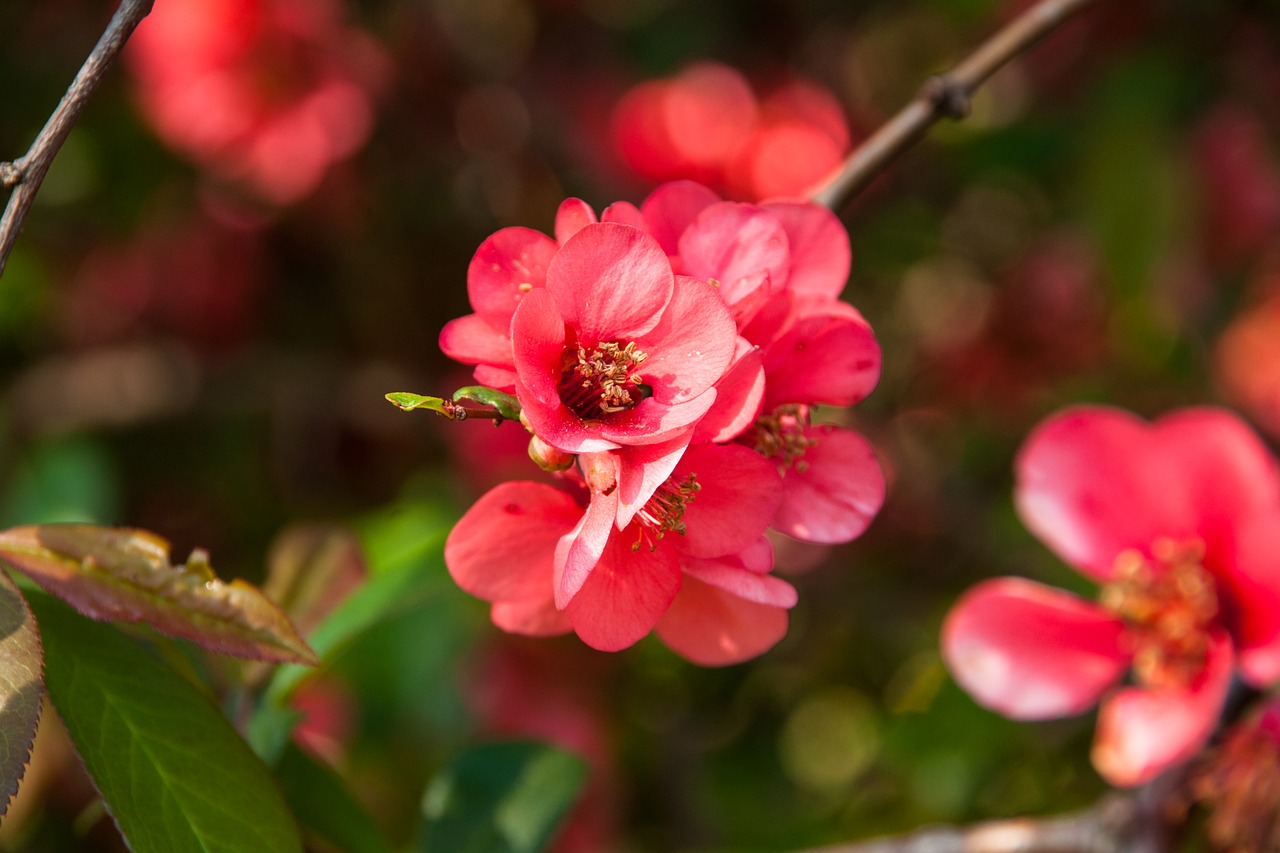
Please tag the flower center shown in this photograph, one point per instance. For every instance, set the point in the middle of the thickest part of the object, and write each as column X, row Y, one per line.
column 602, row 380
column 780, row 436
column 1169, row 602
column 665, row 510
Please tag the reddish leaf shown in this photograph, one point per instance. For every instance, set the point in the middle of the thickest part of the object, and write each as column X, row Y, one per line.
column 311, row 568
column 119, row 573
column 20, row 687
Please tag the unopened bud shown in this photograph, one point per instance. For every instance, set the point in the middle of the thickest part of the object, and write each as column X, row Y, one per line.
column 549, row 458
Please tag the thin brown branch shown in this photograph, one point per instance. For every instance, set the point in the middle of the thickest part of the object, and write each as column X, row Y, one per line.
column 25, row 174
column 1129, row 822
column 944, row 96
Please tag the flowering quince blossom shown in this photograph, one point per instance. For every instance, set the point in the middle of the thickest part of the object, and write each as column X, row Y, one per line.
column 691, row 563
column 667, row 359
column 1179, row 521
column 270, row 93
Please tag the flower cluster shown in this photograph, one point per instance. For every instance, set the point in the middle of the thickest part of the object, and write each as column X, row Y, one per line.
column 666, row 359
column 707, row 124
column 267, row 93
column 1179, row 521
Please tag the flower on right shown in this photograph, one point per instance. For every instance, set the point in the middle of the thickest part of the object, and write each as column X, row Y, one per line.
column 1178, row 520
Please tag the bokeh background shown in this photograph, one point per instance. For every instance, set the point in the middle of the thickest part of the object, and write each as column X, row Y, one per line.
column 266, row 215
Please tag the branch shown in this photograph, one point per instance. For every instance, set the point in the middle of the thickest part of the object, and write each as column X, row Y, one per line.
column 1128, row 822
column 25, row 174
column 944, row 96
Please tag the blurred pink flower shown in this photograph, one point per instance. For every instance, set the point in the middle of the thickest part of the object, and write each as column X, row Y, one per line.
column 1240, row 184
column 1247, row 355
column 1179, row 520
column 270, row 93
column 706, row 124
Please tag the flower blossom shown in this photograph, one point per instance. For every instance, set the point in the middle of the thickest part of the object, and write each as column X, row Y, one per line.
column 667, row 359
column 1179, row 521
column 269, row 93
column 691, row 563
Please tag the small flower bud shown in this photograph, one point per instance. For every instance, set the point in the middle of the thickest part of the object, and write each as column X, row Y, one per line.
column 549, row 458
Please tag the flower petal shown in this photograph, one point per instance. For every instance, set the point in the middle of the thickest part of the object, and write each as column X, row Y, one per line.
column 1143, row 732
column 740, row 246
column 471, row 339
column 737, row 498
column 739, row 397
column 1254, row 588
column 1093, row 481
column 820, row 255
column 670, row 209
column 712, row 627
column 536, row 617
column 574, row 215
column 503, row 547
column 624, row 596
column 692, row 345
column 1032, row 652
column 730, row 576
column 611, row 283
column 835, row 491
column 822, row 358
column 509, row 263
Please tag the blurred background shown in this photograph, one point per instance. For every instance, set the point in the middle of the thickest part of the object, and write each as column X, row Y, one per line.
column 265, row 218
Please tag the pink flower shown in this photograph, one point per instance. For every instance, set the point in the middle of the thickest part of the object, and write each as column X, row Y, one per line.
column 781, row 267
column 270, row 93
column 706, row 124
column 691, row 561
column 616, row 350
column 1179, row 520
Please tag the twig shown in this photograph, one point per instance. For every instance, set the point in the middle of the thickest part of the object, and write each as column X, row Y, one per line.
column 25, row 174
column 1118, row 823
column 944, row 96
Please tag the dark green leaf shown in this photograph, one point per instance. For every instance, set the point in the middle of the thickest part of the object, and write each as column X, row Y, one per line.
column 501, row 798
column 329, row 815
column 173, row 773
column 117, row 573
column 20, row 687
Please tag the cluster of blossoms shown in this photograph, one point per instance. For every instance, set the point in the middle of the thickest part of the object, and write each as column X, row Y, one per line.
column 666, row 359
column 1179, row 521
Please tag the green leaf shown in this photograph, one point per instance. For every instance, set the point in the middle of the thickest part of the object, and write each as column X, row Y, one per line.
column 501, row 798
column 408, row 402
column 329, row 815
column 173, row 773
column 399, row 580
column 20, row 687
column 117, row 573
column 504, row 404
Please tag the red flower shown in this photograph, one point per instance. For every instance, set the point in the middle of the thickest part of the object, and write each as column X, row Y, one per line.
column 706, row 124
column 616, row 350
column 1180, row 522
column 691, row 561
column 267, row 92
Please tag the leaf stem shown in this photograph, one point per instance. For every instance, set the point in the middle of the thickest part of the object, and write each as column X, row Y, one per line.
column 946, row 95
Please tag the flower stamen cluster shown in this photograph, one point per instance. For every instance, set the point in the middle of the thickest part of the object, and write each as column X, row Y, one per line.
column 1169, row 603
column 602, row 380
column 781, row 436
column 665, row 510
